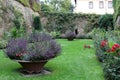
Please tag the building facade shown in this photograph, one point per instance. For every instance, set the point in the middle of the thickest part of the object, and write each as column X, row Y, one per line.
column 93, row 6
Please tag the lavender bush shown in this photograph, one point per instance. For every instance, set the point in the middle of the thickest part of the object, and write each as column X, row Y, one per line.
column 70, row 35
column 38, row 46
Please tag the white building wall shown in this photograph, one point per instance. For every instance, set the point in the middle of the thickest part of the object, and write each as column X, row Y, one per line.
column 83, row 7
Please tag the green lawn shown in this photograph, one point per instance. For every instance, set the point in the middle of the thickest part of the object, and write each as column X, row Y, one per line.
column 75, row 63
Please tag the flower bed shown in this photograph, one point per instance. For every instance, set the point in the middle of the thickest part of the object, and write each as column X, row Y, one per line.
column 108, row 52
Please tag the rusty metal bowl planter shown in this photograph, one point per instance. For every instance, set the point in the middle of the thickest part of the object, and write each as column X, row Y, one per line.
column 32, row 66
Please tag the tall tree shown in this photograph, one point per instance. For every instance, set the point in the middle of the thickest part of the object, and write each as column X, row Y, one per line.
column 58, row 5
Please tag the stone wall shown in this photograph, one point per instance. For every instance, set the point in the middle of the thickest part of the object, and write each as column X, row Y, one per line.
column 7, row 15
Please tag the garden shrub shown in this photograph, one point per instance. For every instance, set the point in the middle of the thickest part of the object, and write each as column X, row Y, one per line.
column 108, row 51
column 3, row 44
column 55, row 34
column 112, row 68
column 70, row 35
column 17, row 23
column 106, row 22
column 37, row 23
column 19, row 19
column 45, row 7
column 98, row 36
column 14, row 32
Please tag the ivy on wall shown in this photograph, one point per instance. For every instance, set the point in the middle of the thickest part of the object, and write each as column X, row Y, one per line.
column 64, row 21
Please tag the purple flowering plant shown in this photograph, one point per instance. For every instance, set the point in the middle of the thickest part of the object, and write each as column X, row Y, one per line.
column 38, row 46
column 70, row 35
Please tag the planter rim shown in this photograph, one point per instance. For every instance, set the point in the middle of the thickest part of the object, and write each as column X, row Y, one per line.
column 30, row 61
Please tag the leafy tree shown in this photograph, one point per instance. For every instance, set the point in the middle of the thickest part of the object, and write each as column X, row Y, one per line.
column 56, row 6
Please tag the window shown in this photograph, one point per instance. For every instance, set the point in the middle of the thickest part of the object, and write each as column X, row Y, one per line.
column 110, row 5
column 90, row 5
column 101, row 4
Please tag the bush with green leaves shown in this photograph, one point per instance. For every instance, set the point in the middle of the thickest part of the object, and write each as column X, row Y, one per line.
column 37, row 23
column 55, row 34
column 112, row 68
column 3, row 44
column 14, row 33
column 108, row 52
column 98, row 36
column 106, row 22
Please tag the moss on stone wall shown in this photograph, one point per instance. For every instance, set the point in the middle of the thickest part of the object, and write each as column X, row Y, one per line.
column 24, row 2
column 31, row 3
column 36, row 7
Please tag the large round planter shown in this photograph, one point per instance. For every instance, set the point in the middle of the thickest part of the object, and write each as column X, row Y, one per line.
column 33, row 66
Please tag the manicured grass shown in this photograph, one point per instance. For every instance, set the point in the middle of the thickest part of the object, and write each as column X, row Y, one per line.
column 75, row 63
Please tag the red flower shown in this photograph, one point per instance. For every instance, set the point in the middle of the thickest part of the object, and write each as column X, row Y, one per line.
column 114, row 47
column 18, row 55
column 103, row 43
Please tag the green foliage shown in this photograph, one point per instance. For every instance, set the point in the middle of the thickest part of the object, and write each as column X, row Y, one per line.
column 18, row 30
column 18, row 20
column 93, row 22
column 46, row 8
column 37, row 23
column 3, row 44
column 14, row 32
column 55, row 34
column 112, row 68
column 17, row 23
column 57, row 6
column 111, row 60
column 65, row 6
column 106, row 22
